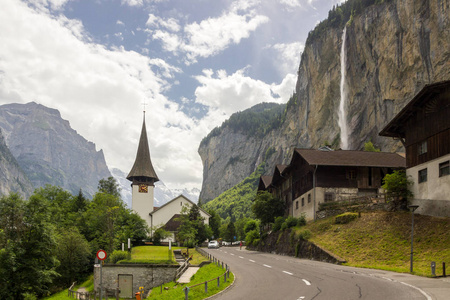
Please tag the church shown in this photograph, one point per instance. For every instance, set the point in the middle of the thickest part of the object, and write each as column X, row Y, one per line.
column 143, row 178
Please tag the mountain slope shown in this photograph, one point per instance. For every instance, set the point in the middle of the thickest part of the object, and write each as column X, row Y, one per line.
column 49, row 151
column 392, row 49
column 12, row 178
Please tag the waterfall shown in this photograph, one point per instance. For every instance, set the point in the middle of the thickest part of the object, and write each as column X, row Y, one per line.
column 342, row 114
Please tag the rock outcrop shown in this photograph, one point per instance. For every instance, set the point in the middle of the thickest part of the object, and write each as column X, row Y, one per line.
column 393, row 49
column 49, row 151
column 12, row 178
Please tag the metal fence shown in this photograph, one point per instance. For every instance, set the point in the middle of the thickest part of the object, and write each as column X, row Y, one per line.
column 225, row 275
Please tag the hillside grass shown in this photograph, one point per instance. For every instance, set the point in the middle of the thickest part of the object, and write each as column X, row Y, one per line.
column 382, row 240
column 205, row 273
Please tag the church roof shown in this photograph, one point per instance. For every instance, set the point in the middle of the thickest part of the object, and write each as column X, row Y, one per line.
column 143, row 164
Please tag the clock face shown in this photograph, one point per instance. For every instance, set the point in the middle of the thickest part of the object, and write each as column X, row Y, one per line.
column 143, row 188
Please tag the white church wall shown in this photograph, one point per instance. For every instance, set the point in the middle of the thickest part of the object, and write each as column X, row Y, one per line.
column 142, row 203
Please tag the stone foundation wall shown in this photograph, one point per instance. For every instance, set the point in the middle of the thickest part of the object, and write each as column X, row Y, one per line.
column 147, row 275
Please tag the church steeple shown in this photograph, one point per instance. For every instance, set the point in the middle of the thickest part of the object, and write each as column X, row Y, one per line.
column 143, row 171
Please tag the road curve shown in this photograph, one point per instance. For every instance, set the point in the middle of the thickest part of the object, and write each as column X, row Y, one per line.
column 269, row 276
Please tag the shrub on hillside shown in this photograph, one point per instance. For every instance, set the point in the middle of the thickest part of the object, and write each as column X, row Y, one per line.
column 301, row 220
column 291, row 222
column 278, row 222
column 119, row 255
column 304, row 235
column 251, row 236
column 345, row 218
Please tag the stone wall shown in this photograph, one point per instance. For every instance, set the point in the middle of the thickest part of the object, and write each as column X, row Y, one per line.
column 146, row 275
column 283, row 243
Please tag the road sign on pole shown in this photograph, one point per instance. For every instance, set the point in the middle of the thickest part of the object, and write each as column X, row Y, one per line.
column 101, row 254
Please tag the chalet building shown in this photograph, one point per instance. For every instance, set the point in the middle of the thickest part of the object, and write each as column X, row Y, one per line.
column 317, row 176
column 423, row 126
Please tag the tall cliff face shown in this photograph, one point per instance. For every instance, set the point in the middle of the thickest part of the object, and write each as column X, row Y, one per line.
column 12, row 178
column 49, row 151
column 393, row 49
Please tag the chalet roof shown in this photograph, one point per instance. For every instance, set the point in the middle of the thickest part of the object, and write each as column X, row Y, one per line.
column 264, row 182
column 352, row 158
column 396, row 127
column 173, row 223
column 143, row 167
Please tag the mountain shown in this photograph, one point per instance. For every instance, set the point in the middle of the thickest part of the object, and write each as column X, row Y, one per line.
column 12, row 178
column 162, row 194
column 353, row 80
column 49, row 151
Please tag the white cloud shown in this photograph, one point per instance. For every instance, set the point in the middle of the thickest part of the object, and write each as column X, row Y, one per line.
column 291, row 3
column 235, row 92
column 288, row 56
column 100, row 91
column 210, row 36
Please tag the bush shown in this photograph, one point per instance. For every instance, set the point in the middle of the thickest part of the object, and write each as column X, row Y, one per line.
column 304, row 235
column 345, row 218
column 301, row 220
column 291, row 222
column 251, row 236
column 278, row 222
column 284, row 226
column 119, row 255
column 255, row 242
column 251, row 225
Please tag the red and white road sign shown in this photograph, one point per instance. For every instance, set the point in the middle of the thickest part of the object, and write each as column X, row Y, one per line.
column 101, row 254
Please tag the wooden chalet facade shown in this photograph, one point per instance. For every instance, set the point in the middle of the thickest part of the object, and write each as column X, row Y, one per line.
column 317, row 176
column 423, row 126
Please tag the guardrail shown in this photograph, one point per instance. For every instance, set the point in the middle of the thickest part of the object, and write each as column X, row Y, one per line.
column 225, row 275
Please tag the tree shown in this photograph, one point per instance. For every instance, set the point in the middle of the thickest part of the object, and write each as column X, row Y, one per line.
column 266, row 207
column 230, row 232
column 74, row 254
column 369, row 147
column 159, row 235
column 109, row 186
column 27, row 252
column 214, row 222
column 397, row 188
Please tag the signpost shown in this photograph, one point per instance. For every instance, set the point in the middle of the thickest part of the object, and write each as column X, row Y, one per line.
column 101, row 255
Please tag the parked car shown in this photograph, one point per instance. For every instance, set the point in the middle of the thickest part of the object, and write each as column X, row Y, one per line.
column 213, row 244
column 226, row 243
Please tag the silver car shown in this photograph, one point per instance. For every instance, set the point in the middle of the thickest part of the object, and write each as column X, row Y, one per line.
column 213, row 244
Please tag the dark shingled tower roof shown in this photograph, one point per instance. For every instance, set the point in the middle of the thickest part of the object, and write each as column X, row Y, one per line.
column 142, row 171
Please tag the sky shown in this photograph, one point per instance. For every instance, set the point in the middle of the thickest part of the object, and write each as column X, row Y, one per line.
column 189, row 63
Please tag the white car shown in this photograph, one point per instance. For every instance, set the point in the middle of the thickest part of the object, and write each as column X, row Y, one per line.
column 213, row 244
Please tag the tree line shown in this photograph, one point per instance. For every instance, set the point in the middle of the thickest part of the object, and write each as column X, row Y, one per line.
column 50, row 240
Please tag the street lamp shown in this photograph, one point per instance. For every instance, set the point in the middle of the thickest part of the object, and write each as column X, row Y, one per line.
column 412, row 208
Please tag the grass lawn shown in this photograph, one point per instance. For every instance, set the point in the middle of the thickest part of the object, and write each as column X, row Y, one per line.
column 205, row 273
column 382, row 240
column 160, row 255
column 63, row 295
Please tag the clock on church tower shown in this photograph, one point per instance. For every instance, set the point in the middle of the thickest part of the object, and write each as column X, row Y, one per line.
column 143, row 188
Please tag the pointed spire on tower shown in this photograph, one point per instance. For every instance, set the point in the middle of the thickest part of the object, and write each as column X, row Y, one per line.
column 143, row 171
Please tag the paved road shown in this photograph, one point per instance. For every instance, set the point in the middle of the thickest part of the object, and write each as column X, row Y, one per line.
column 269, row 276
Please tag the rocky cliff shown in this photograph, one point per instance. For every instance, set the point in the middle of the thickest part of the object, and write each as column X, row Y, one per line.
column 391, row 51
column 49, row 151
column 12, row 178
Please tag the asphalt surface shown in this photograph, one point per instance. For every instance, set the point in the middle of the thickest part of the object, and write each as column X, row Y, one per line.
column 269, row 276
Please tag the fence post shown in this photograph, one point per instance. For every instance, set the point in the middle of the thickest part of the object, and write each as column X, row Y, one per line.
column 225, row 277
column 186, row 293
column 443, row 269
column 218, row 281
column 206, row 287
column 222, row 265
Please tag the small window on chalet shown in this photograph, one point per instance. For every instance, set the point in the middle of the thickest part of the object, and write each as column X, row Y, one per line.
column 351, row 174
column 296, row 204
column 309, row 198
column 444, row 168
column 423, row 175
column 422, row 148
column 303, row 201
column 328, row 197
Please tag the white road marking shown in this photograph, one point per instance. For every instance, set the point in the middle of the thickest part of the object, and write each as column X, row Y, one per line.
column 302, row 297
column 306, row 281
column 240, row 257
column 251, row 260
column 267, row 266
column 232, row 254
column 289, row 273
column 423, row 293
